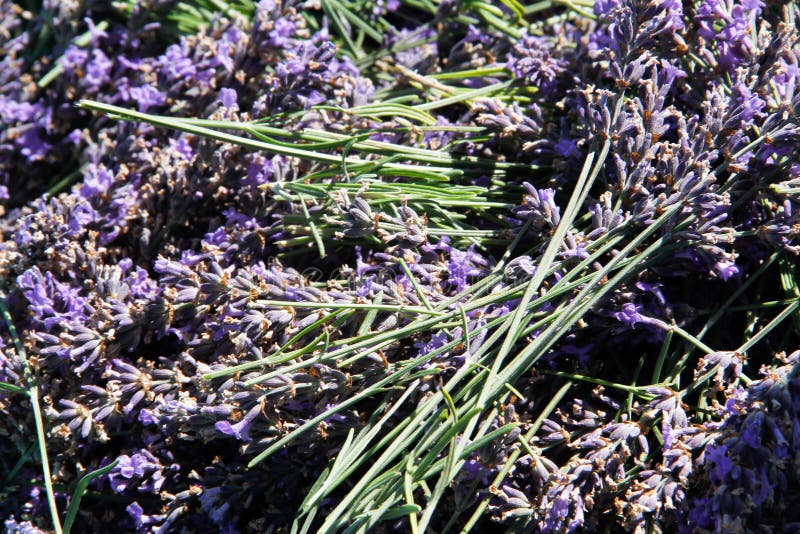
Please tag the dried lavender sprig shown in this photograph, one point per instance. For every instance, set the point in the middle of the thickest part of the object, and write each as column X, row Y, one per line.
column 333, row 410
column 32, row 390
column 423, row 310
column 345, row 510
column 372, row 342
column 590, row 171
column 120, row 113
column 377, row 192
column 574, row 311
column 358, row 142
column 385, row 166
column 385, row 148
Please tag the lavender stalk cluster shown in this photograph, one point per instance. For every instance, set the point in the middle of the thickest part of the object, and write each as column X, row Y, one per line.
column 184, row 304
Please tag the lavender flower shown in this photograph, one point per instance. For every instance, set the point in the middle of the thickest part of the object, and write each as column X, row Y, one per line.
column 728, row 25
column 539, row 206
column 141, row 471
column 184, row 305
column 530, row 60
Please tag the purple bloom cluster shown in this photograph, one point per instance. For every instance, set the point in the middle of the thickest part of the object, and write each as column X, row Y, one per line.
column 141, row 265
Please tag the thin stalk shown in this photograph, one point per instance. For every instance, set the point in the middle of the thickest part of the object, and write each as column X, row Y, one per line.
column 769, row 327
column 471, row 73
column 463, row 97
column 33, row 395
column 678, row 367
column 79, row 492
column 349, row 306
column 635, row 390
column 662, row 356
column 385, row 166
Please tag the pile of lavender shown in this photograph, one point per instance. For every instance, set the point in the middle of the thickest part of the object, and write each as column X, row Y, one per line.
column 400, row 266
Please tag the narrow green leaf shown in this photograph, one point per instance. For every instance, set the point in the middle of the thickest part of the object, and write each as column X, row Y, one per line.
column 80, row 489
column 12, row 388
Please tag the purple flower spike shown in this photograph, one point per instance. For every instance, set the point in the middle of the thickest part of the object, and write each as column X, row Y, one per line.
column 539, row 205
column 96, row 181
column 227, row 97
column 531, row 60
column 147, row 96
column 726, row 269
column 241, row 429
column 142, row 472
column 141, row 519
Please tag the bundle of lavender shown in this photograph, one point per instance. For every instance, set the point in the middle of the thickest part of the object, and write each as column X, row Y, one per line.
column 400, row 265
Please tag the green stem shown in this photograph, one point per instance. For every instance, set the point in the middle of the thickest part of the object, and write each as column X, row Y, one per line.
column 80, row 490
